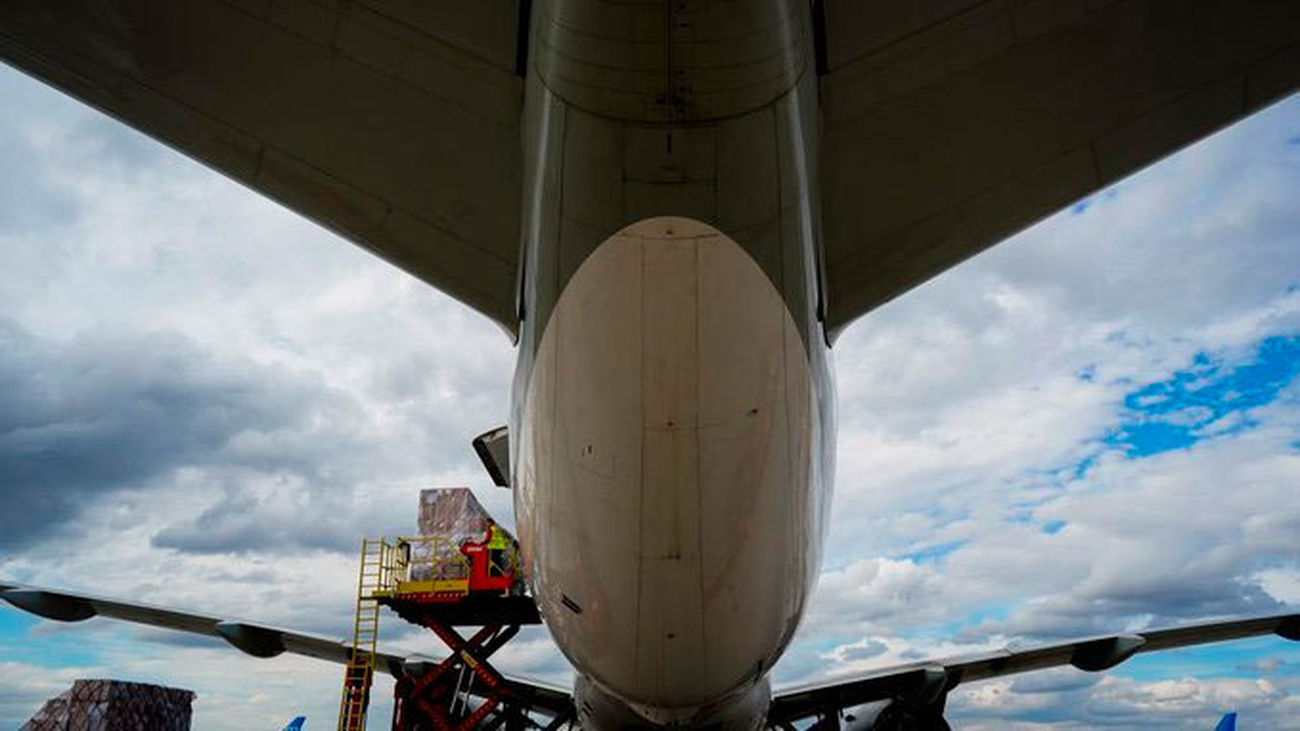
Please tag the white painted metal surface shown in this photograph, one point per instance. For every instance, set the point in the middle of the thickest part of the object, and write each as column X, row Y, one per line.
column 665, row 492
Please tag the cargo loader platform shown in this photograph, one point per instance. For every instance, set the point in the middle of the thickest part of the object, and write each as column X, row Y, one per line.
column 463, row 571
column 470, row 611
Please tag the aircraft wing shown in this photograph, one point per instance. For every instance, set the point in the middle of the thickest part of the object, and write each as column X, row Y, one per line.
column 254, row 639
column 394, row 123
column 950, row 125
column 920, row 682
column 927, row 682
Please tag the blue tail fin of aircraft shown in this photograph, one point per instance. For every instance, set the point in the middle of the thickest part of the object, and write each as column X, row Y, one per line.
column 1228, row 722
column 296, row 724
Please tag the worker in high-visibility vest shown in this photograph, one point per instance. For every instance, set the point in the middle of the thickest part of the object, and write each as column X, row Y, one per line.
column 499, row 543
column 498, row 537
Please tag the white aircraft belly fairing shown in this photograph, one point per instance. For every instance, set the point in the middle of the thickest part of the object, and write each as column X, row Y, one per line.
column 669, row 513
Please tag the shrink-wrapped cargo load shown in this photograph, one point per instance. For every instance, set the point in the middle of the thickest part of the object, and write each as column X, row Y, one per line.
column 453, row 512
column 114, row 705
column 449, row 517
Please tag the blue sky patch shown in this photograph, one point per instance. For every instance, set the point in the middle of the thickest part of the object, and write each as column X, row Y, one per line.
column 58, row 650
column 968, row 626
column 932, row 554
column 14, row 623
column 1197, row 402
column 1236, row 659
column 1084, row 465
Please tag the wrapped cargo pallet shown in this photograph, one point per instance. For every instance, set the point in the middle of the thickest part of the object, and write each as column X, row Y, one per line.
column 449, row 517
column 114, row 705
column 452, row 512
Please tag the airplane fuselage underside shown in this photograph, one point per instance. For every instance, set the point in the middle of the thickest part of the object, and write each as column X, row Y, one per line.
column 673, row 401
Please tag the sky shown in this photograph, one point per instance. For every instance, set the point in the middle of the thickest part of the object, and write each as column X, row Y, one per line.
column 206, row 402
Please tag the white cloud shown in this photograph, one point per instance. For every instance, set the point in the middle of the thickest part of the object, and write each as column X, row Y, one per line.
column 970, row 406
column 1121, row 703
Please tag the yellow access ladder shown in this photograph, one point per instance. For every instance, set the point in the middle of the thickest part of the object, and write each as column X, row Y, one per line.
column 365, row 633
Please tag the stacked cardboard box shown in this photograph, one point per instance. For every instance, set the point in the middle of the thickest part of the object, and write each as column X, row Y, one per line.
column 114, row 705
column 453, row 512
column 455, row 516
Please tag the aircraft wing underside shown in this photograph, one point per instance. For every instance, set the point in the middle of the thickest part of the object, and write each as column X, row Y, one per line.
column 946, row 126
column 396, row 124
column 949, row 126
column 927, row 681
column 254, row 639
column 920, row 682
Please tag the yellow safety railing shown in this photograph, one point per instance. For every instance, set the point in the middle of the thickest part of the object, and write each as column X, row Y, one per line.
column 407, row 565
column 422, row 564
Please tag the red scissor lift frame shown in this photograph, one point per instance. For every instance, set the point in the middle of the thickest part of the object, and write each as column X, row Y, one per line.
column 439, row 697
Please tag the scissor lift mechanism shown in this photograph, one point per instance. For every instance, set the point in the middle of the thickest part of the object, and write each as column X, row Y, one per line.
column 430, row 583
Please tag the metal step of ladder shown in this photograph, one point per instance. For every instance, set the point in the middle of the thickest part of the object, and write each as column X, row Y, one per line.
column 360, row 669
